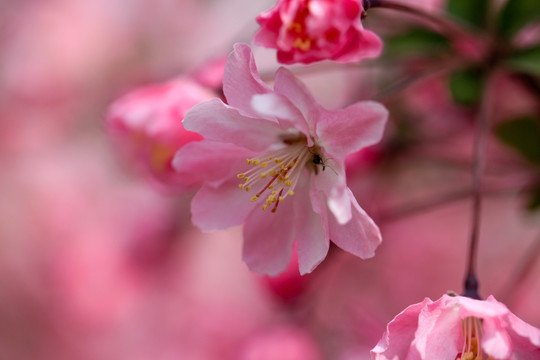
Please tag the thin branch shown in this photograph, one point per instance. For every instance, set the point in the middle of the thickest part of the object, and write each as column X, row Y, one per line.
column 482, row 128
column 450, row 29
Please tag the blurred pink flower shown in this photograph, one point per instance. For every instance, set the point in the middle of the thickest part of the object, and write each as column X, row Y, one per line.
column 289, row 285
column 311, row 30
column 148, row 122
column 457, row 327
column 294, row 149
column 284, row 342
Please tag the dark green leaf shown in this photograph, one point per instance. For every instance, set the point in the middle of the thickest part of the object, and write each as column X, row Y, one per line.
column 527, row 60
column 523, row 135
column 516, row 14
column 466, row 86
column 415, row 41
column 474, row 12
column 534, row 200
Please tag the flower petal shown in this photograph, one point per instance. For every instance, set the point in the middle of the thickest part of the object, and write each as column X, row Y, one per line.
column 217, row 121
column 479, row 308
column 241, row 80
column 313, row 243
column 288, row 85
column 528, row 334
column 227, row 160
column 399, row 334
column 439, row 332
column 220, row 207
column 361, row 45
column 333, row 184
column 269, row 239
column 278, row 107
column 495, row 339
column 345, row 131
column 360, row 236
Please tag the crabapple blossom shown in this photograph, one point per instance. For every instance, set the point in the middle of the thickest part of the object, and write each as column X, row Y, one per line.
column 274, row 160
column 311, row 30
column 147, row 122
column 458, row 327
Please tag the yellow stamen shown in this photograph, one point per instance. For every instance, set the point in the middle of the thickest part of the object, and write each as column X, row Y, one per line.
column 302, row 44
column 280, row 169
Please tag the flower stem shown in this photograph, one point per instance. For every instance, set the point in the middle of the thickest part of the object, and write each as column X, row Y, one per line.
column 482, row 127
column 446, row 26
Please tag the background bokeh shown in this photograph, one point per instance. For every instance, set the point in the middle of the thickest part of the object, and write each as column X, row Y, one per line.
column 98, row 259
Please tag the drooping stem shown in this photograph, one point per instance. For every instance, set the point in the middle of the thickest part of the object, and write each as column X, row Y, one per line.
column 482, row 127
column 447, row 27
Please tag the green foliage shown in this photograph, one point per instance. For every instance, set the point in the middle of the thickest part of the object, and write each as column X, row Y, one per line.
column 522, row 134
column 516, row 14
column 526, row 60
column 416, row 41
column 474, row 12
column 467, row 86
column 534, row 200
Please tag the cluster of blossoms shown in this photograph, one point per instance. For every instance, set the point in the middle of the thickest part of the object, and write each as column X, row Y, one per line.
column 273, row 159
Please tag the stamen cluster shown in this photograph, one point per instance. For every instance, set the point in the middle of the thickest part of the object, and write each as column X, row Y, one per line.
column 472, row 333
column 278, row 171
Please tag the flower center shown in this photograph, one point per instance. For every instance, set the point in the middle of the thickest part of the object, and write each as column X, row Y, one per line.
column 276, row 173
column 297, row 29
column 472, row 333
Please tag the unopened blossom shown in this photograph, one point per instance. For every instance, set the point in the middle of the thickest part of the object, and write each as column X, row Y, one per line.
column 458, row 327
column 274, row 160
column 148, row 124
column 312, row 30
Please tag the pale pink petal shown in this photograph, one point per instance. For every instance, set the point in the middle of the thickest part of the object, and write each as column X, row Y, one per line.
column 399, row 335
column 313, row 243
column 319, row 205
column 278, row 107
column 439, row 332
column 360, row 236
column 227, row 160
column 217, row 121
column 220, row 207
column 332, row 183
column 523, row 335
column 289, row 86
column 269, row 239
column 342, row 132
column 479, row 308
column 241, row 80
column 495, row 339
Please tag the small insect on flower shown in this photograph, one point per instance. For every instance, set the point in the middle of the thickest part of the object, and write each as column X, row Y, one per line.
column 319, row 159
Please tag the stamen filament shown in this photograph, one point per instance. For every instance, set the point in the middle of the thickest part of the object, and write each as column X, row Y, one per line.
column 281, row 170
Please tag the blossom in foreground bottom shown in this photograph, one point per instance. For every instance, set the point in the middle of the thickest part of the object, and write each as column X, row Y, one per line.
column 313, row 30
column 457, row 327
column 274, row 160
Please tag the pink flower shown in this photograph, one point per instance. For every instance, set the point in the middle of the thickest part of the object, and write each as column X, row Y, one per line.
column 457, row 327
column 148, row 123
column 274, row 159
column 312, row 30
